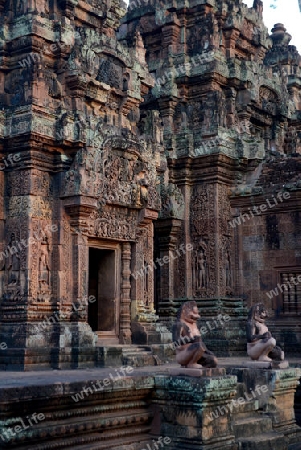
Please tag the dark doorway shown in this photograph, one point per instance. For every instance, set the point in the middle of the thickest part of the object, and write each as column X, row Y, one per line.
column 102, row 314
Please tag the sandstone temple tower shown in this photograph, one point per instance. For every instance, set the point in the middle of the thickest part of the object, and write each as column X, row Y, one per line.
column 123, row 137
column 79, row 200
column 229, row 98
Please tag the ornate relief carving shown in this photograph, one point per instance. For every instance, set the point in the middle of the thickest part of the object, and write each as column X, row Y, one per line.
column 110, row 73
column 115, row 223
column 142, row 261
column 210, row 113
column 224, row 211
column 268, row 99
column 13, row 264
column 202, row 210
column 201, row 269
column 18, row 183
column 12, row 274
column 180, row 267
column 21, row 206
column 119, row 176
column 66, row 259
column 172, row 202
column 44, row 269
column 226, row 259
column 203, row 236
column 17, row 86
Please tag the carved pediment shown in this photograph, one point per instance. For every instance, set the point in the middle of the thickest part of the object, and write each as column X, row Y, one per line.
column 117, row 174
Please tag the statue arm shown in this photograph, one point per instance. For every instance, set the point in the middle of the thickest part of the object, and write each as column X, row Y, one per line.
column 179, row 336
column 251, row 333
column 176, row 331
column 197, row 339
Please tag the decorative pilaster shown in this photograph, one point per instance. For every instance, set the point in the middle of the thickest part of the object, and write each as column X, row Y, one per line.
column 167, row 236
column 282, row 391
column 125, row 300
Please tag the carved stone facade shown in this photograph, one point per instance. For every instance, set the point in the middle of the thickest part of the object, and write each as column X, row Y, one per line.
column 229, row 97
column 125, row 137
column 79, row 182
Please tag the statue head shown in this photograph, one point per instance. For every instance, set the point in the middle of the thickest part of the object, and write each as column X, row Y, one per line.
column 188, row 312
column 258, row 312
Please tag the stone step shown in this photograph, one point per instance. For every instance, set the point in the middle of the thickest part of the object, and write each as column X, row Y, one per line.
column 244, row 410
column 264, row 441
column 128, row 355
column 136, row 349
column 140, row 356
column 150, row 333
column 141, row 359
column 251, row 426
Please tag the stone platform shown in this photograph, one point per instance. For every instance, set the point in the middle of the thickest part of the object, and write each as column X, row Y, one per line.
column 126, row 408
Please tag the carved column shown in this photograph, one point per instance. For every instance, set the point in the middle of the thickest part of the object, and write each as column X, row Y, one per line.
column 212, row 263
column 167, row 234
column 125, row 301
column 80, row 251
column 283, row 384
column 144, row 269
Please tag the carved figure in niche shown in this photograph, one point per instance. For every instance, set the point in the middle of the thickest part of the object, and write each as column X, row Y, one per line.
column 158, row 129
column 223, row 111
column 228, row 272
column 261, row 346
column 191, row 351
column 110, row 74
column 44, row 268
column 135, row 194
column 201, row 267
column 125, row 81
column 142, row 181
column 140, row 49
column 89, row 59
column 201, row 270
column 55, row 87
column 258, row 5
column 17, row 86
column 13, row 263
column 74, row 60
column 19, row 7
column 41, row 6
column 205, row 39
column 209, row 118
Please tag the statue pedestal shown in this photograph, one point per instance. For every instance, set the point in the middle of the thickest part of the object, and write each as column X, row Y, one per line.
column 265, row 364
column 187, row 402
column 280, row 364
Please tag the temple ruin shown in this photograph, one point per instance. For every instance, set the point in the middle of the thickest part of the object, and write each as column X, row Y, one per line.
column 150, row 155
column 148, row 158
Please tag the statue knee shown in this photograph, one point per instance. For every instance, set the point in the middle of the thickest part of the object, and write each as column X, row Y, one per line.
column 272, row 342
column 200, row 348
column 214, row 361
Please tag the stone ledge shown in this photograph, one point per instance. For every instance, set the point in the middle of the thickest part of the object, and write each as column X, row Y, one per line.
column 264, row 364
column 205, row 372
